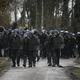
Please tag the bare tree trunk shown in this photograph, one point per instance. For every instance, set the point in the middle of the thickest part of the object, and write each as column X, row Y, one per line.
column 65, row 15
column 36, row 22
column 24, row 9
column 76, row 20
column 56, row 14
column 15, row 13
column 42, row 15
column 72, row 16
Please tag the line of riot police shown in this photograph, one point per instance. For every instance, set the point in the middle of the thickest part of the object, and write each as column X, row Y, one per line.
column 31, row 45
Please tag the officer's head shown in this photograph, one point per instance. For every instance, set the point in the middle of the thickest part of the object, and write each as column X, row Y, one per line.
column 51, row 32
column 56, row 33
column 44, row 31
column 78, row 33
column 2, row 29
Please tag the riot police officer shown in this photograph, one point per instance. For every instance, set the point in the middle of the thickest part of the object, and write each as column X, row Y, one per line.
column 54, row 42
column 25, row 48
column 57, row 46
column 15, row 46
column 32, row 49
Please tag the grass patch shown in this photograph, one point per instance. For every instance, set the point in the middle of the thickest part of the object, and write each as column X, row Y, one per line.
column 4, row 62
column 4, row 65
column 76, row 73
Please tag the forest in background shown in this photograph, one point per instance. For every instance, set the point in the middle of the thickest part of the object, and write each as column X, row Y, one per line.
column 48, row 14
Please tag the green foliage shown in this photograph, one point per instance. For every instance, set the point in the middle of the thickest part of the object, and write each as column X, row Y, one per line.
column 4, row 4
column 76, row 73
column 5, row 19
column 4, row 12
column 59, row 20
column 76, row 18
column 21, row 23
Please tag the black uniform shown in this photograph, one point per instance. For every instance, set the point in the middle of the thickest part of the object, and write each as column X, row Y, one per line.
column 78, row 43
column 25, row 50
column 1, row 43
column 54, row 50
column 43, row 39
column 32, row 50
column 15, row 46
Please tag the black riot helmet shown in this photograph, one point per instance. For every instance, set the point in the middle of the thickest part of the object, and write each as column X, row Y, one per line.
column 1, row 28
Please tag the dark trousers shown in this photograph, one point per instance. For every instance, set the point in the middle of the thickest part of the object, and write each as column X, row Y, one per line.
column 56, row 57
column 15, row 57
column 49, row 58
column 24, row 60
column 0, row 53
column 32, row 58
